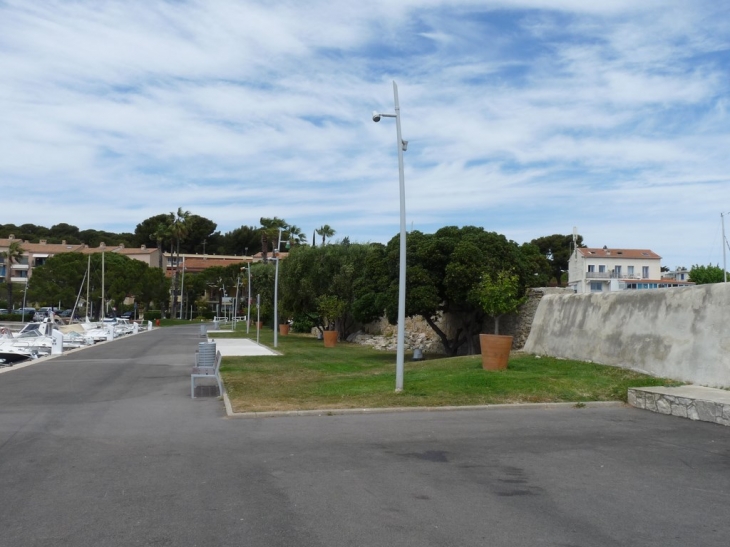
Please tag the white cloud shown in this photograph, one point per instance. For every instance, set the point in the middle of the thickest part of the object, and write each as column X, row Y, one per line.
column 527, row 117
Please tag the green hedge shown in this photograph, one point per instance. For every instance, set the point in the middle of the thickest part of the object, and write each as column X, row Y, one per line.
column 16, row 317
column 151, row 315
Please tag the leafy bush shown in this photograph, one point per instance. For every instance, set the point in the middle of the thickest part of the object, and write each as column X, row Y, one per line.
column 302, row 323
column 151, row 315
column 15, row 317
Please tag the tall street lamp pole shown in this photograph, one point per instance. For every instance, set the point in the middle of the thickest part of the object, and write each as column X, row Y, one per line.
column 402, row 146
column 248, row 313
column 276, row 292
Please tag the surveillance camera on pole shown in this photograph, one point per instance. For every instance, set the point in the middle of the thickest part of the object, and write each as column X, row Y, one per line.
column 402, row 146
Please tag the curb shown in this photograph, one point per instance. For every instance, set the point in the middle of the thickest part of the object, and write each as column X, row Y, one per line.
column 401, row 409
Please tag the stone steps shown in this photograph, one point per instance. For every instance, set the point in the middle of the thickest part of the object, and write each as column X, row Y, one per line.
column 694, row 402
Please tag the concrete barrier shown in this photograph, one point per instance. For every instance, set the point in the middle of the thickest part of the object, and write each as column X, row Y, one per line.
column 679, row 333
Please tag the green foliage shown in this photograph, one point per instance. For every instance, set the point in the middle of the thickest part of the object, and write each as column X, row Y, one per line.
column 499, row 295
column 706, row 274
column 60, row 279
column 13, row 255
column 443, row 270
column 246, row 239
column 557, row 249
column 330, row 308
column 326, row 231
column 151, row 315
column 65, row 232
column 302, row 323
column 313, row 275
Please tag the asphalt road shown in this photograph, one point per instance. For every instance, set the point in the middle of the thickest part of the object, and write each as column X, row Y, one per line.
column 105, row 447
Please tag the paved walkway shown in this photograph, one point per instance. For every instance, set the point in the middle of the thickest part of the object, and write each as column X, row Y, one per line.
column 105, row 447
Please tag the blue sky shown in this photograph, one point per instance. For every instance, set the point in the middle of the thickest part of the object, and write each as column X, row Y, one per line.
column 526, row 117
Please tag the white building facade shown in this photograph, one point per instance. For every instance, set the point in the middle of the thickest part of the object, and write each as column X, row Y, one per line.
column 605, row 270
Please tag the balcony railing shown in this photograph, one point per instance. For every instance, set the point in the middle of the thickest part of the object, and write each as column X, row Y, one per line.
column 611, row 275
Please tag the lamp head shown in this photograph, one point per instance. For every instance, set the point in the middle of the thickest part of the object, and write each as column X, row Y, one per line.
column 376, row 116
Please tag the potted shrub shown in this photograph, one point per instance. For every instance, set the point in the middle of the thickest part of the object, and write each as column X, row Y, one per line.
column 497, row 296
column 284, row 322
column 330, row 309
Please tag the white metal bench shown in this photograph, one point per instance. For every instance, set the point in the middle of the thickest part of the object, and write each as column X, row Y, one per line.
column 207, row 372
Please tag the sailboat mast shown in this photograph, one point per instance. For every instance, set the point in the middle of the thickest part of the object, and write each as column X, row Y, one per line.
column 103, row 311
column 88, row 284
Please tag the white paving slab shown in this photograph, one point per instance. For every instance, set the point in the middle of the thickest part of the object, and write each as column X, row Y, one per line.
column 240, row 347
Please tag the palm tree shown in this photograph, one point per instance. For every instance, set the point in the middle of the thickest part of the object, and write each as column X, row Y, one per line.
column 12, row 255
column 161, row 233
column 269, row 230
column 296, row 236
column 326, row 232
column 178, row 230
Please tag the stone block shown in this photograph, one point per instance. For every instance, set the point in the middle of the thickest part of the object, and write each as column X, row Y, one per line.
column 632, row 397
column 650, row 404
column 706, row 410
column 679, row 410
column 663, row 406
column 692, row 412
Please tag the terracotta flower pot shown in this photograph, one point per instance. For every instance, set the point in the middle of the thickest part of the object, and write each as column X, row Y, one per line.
column 284, row 329
column 495, row 351
column 259, row 324
column 330, row 338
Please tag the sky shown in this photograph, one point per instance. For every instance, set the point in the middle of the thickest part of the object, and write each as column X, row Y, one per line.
column 525, row 117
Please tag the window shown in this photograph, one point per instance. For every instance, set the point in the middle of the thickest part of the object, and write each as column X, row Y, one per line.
column 596, row 286
column 617, row 271
column 630, row 271
column 645, row 272
column 601, row 268
column 591, row 268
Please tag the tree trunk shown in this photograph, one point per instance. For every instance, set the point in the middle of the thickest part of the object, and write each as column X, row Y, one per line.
column 496, row 324
column 451, row 346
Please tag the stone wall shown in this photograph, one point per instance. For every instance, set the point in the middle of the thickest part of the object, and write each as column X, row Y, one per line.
column 678, row 333
column 418, row 334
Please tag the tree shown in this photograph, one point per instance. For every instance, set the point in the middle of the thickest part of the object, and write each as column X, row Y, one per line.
column 63, row 231
column 326, row 232
column 161, row 233
column 325, row 284
column 154, row 286
column 557, row 249
column 145, row 230
column 245, row 239
column 499, row 295
column 706, row 274
column 270, row 232
column 296, row 236
column 179, row 230
column 10, row 257
column 443, row 270
column 198, row 230
column 61, row 277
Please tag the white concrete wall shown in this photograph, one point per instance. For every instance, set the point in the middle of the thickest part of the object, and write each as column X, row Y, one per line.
column 679, row 333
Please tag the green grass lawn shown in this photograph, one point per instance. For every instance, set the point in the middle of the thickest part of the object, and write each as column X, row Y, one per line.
column 309, row 376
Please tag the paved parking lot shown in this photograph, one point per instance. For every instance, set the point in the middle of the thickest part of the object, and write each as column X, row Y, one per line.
column 105, row 447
